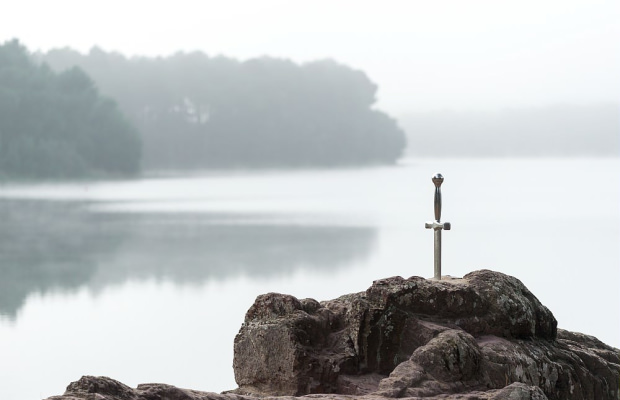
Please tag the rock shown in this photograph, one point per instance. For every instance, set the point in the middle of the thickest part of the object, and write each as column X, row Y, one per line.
column 103, row 388
column 98, row 388
column 485, row 336
column 419, row 338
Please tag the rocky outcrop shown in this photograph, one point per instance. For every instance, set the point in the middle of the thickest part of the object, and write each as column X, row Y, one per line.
column 419, row 338
column 485, row 336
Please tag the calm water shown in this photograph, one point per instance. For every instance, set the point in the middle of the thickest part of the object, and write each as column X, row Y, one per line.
column 149, row 280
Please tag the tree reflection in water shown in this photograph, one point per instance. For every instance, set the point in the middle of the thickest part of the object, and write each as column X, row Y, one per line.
column 57, row 245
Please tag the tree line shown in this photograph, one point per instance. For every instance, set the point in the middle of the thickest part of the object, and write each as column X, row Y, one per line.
column 196, row 111
column 57, row 124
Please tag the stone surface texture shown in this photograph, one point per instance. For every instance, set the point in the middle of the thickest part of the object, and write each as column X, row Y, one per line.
column 484, row 336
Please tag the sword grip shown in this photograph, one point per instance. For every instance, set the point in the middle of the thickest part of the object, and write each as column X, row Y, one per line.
column 438, row 180
column 437, row 204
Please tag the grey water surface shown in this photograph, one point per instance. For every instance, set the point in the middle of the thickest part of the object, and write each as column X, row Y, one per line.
column 148, row 280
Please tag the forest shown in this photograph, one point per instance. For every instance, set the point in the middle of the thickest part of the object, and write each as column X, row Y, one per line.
column 64, row 114
column 194, row 111
column 58, row 125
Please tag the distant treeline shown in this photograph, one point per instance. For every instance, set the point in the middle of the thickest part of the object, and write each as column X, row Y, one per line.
column 558, row 130
column 196, row 111
column 57, row 125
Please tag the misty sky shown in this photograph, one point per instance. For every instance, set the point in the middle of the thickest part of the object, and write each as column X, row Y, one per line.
column 425, row 55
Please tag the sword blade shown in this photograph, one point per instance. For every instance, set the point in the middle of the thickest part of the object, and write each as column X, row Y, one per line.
column 438, row 254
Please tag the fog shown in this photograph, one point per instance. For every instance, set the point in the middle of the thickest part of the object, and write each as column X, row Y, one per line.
column 163, row 163
column 461, row 67
column 556, row 131
column 424, row 55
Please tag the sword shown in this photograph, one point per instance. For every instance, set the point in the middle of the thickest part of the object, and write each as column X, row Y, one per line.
column 437, row 225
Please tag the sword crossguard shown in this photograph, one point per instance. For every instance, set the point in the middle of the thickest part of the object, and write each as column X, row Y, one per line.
column 436, row 225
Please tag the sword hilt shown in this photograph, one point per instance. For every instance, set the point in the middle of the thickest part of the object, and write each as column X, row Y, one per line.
column 437, row 225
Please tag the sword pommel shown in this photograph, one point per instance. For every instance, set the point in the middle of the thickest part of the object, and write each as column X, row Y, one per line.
column 438, row 180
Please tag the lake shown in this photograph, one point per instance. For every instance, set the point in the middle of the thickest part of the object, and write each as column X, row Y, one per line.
column 148, row 280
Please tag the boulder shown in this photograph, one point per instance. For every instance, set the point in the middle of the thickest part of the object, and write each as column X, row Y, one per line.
column 484, row 336
column 419, row 338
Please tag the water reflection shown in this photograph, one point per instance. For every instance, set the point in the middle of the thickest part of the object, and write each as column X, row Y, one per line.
column 46, row 245
column 54, row 245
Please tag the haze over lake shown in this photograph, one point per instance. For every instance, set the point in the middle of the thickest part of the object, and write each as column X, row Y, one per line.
column 283, row 130
column 148, row 280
